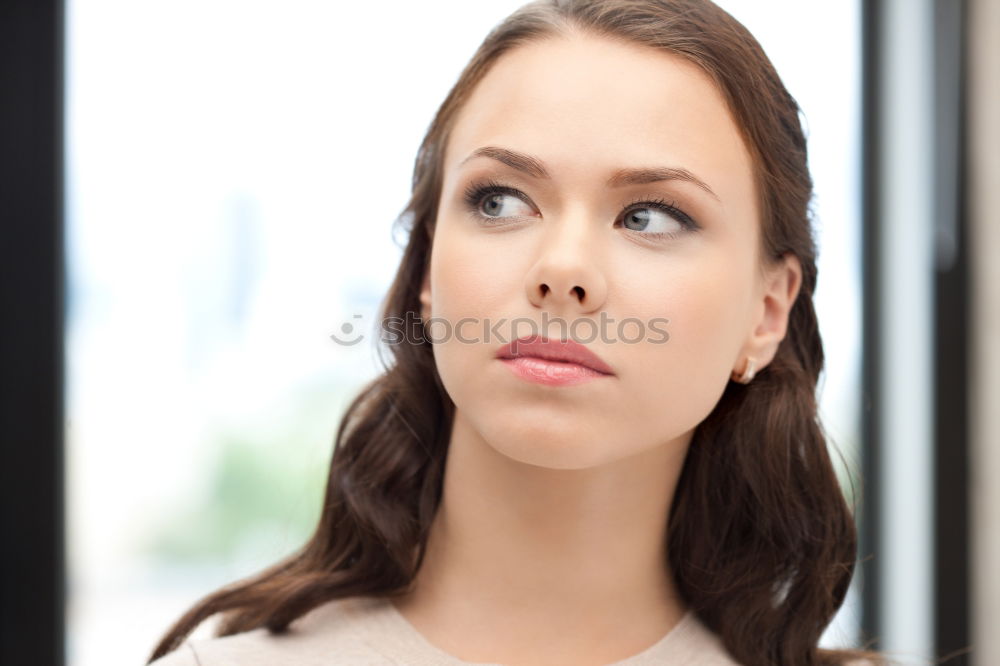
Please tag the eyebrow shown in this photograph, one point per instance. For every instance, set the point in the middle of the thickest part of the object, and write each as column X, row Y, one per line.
column 534, row 167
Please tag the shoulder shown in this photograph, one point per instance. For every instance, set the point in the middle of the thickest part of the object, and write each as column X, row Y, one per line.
column 690, row 642
column 700, row 646
column 330, row 630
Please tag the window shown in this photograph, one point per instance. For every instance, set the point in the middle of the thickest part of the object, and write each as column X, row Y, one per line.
column 232, row 174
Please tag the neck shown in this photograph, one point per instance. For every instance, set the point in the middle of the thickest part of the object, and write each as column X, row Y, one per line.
column 562, row 549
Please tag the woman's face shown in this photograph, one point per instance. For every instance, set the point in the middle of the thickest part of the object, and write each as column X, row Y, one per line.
column 585, row 243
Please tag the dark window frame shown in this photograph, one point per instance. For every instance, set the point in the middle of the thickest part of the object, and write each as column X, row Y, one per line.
column 951, row 582
column 32, row 566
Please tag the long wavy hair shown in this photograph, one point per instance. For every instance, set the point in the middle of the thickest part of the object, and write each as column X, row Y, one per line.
column 775, row 565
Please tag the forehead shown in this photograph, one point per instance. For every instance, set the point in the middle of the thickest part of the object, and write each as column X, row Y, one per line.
column 583, row 103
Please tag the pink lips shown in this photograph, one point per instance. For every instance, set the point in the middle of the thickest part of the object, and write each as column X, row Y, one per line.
column 552, row 362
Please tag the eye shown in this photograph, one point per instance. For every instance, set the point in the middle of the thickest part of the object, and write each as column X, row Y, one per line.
column 492, row 201
column 658, row 219
column 502, row 205
column 650, row 219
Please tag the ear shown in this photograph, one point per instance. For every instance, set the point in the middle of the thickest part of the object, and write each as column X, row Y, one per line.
column 425, row 296
column 780, row 288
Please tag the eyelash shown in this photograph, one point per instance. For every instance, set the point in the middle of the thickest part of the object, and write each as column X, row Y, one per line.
column 476, row 192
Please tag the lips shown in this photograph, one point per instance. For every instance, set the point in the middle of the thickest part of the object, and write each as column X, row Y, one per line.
column 566, row 351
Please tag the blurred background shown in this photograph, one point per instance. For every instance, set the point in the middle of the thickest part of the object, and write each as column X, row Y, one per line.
column 197, row 195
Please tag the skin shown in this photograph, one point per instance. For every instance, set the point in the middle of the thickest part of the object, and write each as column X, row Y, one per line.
column 548, row 547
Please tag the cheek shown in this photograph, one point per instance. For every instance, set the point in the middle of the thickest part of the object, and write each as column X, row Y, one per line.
column 471, row 276
column 681, row 380
column 472, row 287
column 703, row 293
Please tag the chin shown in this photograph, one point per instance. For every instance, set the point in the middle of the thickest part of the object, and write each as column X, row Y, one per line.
column 573, row 447
column 551, row 458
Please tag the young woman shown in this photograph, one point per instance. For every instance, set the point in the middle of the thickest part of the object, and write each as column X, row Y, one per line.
column 601, row 444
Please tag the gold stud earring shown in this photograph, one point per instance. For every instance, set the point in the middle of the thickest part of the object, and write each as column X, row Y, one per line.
column 746, row 376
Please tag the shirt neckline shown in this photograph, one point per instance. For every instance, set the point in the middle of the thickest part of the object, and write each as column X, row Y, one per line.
column 394, row 617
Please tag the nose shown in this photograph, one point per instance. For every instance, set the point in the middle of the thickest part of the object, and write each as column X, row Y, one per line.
column 566, row 278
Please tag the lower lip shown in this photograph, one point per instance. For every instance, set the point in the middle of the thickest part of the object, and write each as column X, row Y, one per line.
column 552, row 373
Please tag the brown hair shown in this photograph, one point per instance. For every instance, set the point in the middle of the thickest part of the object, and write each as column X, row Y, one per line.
column 776, row 563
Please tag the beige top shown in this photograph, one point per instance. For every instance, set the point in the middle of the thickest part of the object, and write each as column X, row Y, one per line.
column 369, row 631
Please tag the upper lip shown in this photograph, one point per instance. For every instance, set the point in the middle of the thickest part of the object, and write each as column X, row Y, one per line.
column 554, row 350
